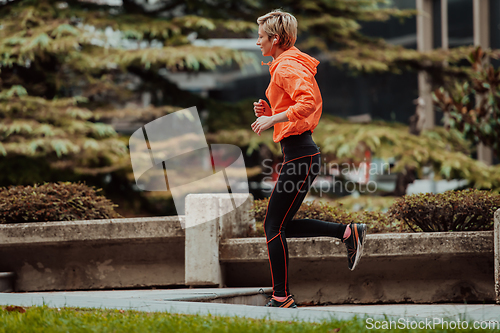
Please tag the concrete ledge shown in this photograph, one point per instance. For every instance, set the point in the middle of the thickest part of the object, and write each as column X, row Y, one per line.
column 98, row 254
column 91, row 231
column 377, row 245
column 395, row 268
column 145, row 252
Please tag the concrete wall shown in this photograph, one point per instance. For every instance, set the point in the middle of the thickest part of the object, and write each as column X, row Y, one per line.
column 419, row 268
column 146, row 252
column 99, row 254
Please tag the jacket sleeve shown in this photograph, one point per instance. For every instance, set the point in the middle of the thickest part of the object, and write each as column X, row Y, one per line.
column 299, row 86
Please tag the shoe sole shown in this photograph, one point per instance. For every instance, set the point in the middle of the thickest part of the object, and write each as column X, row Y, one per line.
column 362, row 241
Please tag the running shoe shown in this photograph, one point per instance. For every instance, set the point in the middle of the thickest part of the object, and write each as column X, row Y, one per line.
column 354, row 244
column 288, row 303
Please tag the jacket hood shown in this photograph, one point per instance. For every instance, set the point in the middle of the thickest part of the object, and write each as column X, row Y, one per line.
column 294, row 54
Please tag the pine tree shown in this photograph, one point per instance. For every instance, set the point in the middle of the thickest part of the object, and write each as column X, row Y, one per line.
column 67, row 66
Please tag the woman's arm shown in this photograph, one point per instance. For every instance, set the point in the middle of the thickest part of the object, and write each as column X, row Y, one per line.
column 262, row 123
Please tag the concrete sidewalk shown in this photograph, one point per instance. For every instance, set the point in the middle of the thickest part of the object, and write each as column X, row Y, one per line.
column 176, row 301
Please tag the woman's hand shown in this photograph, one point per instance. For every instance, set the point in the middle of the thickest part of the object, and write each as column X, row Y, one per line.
column 261, row 108
column 262, row 123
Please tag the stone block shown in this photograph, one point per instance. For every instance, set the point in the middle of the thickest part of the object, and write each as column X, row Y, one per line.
column 210, row 218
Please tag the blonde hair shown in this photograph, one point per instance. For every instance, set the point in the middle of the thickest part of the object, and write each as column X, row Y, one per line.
column 282, row 24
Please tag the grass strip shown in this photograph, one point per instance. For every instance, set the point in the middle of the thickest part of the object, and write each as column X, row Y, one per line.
column 52, row 320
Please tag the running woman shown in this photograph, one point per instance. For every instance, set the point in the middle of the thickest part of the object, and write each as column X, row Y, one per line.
column 295, row 110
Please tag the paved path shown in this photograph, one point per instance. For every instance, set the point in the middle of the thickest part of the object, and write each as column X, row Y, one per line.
column 174, row 301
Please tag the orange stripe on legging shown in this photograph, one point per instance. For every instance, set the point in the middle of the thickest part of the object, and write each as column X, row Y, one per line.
column 279, row 233
column 300, row 157
column 356, row 236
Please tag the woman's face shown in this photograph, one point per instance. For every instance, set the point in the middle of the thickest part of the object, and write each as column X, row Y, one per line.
column 264, row 43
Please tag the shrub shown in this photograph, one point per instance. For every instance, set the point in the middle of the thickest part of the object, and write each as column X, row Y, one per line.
column 53, row 202
column 308, row 210
column 377, row 222
column 366, row 203
column 466, row 210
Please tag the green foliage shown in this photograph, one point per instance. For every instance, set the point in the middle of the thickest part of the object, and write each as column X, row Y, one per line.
column 366, row 202
column 377, row 221
column 56, row 129
column 467, row 210
column 229, row 116
column 308, row 210
column 65, row 319
column 473, row 106
column 333, row 27
column 34, row 31
column 49, row 51
column 383, row 57
column 53, row 202
column 344, row 143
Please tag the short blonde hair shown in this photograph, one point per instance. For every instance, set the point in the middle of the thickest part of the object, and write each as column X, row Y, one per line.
column 282, row 24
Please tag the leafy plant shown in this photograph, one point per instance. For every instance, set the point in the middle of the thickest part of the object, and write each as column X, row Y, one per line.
column 466, row 210
column 377, row 221
column 343, row 144
column 53, row 202
column 58, row 130
column 308, row 210
column 473, row 106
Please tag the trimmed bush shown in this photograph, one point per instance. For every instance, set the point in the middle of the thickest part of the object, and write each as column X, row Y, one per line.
column 376, row 221
column 379, row 222
column 53, row 202
column 308, row 210
column 466, row 210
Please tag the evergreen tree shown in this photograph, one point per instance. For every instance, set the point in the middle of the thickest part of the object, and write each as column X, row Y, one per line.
column 67, row 66
column 68, row 69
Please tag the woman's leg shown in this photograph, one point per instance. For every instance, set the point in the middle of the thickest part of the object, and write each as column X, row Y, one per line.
column 294, row 182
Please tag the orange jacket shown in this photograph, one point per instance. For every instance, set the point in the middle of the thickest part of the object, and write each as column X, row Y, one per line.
column 294, row 90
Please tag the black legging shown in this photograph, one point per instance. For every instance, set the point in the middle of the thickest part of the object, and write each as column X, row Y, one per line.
column 301, row 165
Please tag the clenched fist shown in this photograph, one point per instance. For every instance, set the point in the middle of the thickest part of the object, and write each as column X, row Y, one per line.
column 261, row 108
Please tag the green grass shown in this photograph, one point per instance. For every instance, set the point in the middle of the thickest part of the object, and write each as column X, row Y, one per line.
column 45, row 319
